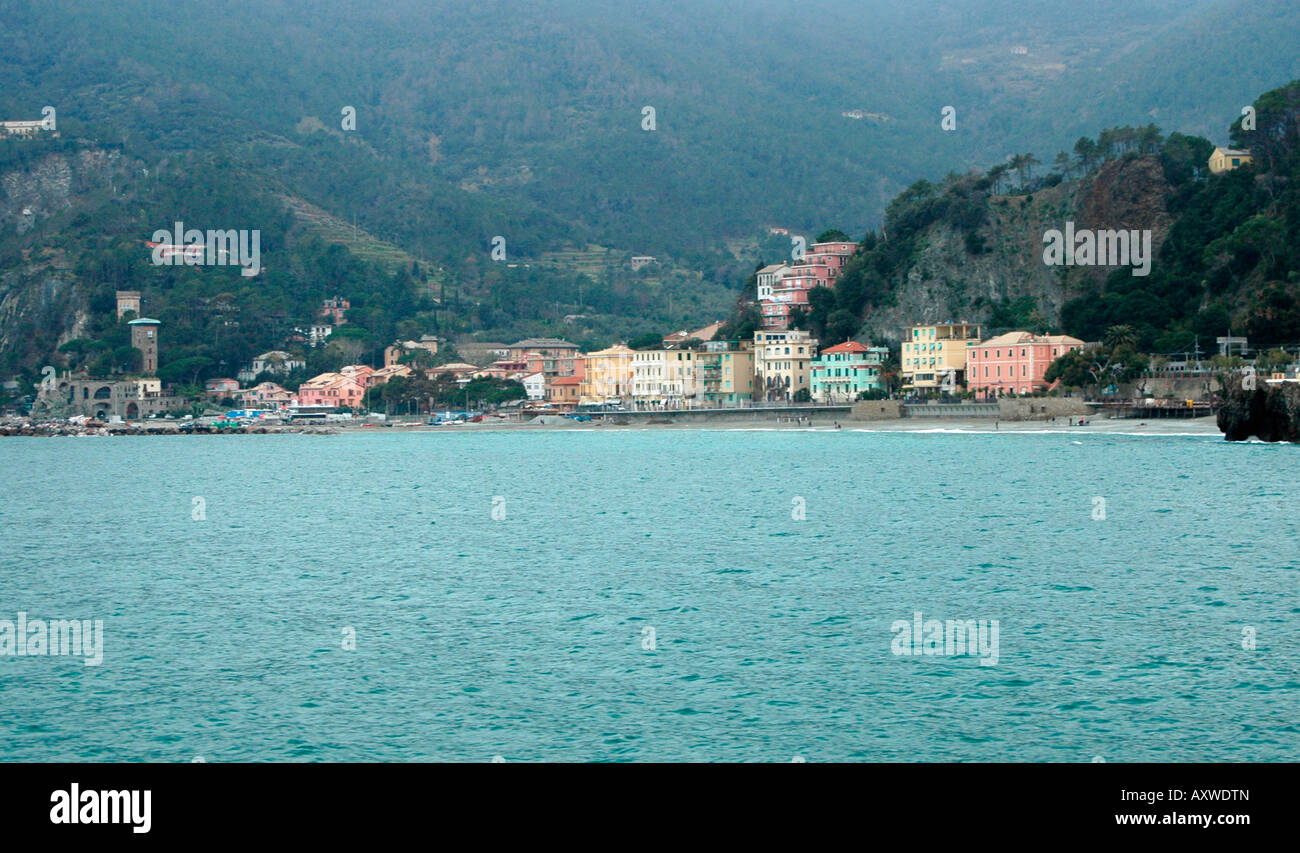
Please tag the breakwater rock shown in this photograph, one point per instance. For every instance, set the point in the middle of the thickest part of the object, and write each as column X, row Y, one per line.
column 1267, row 412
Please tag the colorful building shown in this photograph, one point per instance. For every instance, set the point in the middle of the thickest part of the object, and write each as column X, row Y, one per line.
column 267, row 395
column 844, row 371
column 933, row 358
column 221, row 387
column 554, row 358
column 1014, row 363
column 607, row 376
column 782, row 361
column 724, row 373
column 563, row 392
column 663, row 378
column 335, row 309
column 1226, row 159
column 819, row 267
column 333, row 389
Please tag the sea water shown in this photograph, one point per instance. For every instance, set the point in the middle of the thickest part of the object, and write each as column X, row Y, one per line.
column 653, row 595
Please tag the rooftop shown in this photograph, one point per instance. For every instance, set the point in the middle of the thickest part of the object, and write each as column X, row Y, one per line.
column 550, row 343
column 847, row 346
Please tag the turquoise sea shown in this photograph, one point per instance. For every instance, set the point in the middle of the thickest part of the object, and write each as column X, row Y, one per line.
column 523, row 634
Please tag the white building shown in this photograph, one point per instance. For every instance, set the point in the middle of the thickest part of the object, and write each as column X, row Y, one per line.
column 534, row 385
column 768, row 276
column 277, row 362
column 664, row 377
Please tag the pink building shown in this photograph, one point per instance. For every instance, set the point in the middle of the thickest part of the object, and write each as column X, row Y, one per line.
column 791, row 291
column 835, row 255
column 266, row 395
column 221, row 387
column 1014, row 363
column 335, row 309
column 820, row 266
column 345, row 388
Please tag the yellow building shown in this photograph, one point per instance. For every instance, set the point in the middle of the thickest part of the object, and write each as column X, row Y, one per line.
column 932, row 353
column 608, row 376
column 782, row 362
column 724, row 373
column 1227, row 159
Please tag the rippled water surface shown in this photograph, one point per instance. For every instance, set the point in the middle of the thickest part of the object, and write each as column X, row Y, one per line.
column 525, row 636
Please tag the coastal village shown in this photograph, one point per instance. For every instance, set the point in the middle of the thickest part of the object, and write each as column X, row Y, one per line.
column 950, row 368
column 687, row 371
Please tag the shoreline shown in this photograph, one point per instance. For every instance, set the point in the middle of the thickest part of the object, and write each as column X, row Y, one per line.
column 1203, row 426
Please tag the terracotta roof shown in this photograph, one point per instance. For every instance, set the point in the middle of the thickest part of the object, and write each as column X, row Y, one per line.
column 567, row 380
column 847, row 346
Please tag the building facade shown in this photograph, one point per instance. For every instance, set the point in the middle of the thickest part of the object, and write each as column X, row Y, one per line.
column 767, row 277
column 933, row 358
column 534, row 386
column 128, row 300
column 819, row 267
column 1226, row 159
column 334, row 310
column 267, row 395
column 724, row 373
column 345, row 388
column 607, row 376
column 275, row 362
column 844, row 371
column 124, row 398
column 782, row 362
column 563, row 392
column 663, row 378
column 1015, row 363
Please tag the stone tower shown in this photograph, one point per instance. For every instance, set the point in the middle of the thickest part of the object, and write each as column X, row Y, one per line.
column 144, row 337
column 128, row 300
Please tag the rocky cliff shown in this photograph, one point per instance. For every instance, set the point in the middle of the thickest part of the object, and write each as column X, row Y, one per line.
column 46, row 200
column 947, row 281
column 1267, row 412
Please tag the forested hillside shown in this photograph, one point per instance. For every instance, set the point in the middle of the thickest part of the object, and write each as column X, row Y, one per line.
column 380, row 149
column 1227, row 247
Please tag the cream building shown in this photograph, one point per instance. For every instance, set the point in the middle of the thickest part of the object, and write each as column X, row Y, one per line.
column 782, row 361
column 608, row 377
column 1227, row 159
